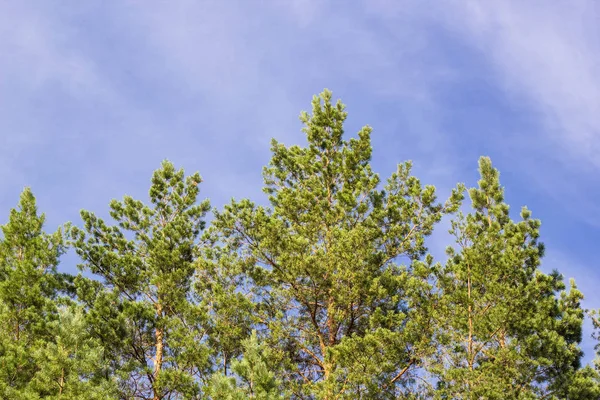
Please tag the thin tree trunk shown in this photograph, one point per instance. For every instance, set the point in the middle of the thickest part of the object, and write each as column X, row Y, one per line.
column 158, row 359
column 470, row 309
column 61, row 382
column 328, row 365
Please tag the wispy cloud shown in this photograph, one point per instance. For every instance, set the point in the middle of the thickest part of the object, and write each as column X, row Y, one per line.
column 545, row 56
column 546, row 52
column 124, row 85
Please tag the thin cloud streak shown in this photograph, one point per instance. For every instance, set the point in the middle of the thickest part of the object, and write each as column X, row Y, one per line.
column 545, row 57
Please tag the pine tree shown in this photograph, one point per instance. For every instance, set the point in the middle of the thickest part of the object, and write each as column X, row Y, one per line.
column 586, row 385
column 222, row 290
column 253, row 377
column 142, row 309
column 507, row 331
column 347, row 320
column 29, row 289
column 71, row 366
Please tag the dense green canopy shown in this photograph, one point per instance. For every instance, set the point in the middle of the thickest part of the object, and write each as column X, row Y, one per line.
column 325, row 289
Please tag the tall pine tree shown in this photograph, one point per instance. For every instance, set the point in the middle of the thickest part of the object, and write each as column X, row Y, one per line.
column 142, row 309
column 507, row 330
column 346, row 318
column 29, row 288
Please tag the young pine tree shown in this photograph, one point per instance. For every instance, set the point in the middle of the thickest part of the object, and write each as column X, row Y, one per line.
column 72, row 365
column 253, row 376
column 142, row 310
column 507, row 331
column 347, row 320
column 29, row 289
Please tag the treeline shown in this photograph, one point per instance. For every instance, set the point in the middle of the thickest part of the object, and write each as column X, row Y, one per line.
column 329, row 292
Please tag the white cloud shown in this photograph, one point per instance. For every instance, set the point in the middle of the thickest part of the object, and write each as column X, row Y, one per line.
column 39, row 51
column 545, row 58
column 548, row 53
column 60, row 113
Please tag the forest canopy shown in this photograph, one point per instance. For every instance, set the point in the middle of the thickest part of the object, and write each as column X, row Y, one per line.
column 324, row 289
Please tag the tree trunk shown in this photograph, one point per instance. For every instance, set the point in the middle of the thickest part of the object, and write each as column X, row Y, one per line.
column 61, row 382
column 158, row 359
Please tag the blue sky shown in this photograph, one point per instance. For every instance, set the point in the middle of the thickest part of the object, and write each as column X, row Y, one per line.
column 94, row 94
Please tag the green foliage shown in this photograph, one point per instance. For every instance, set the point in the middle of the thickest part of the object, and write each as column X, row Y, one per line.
column 253, row 377
column 142, row 308
column 327, row 292
column 44, row 349
column 29, row 286
column 28, row 279
column 504, row 333
column 71, row 366
column 322, row 260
